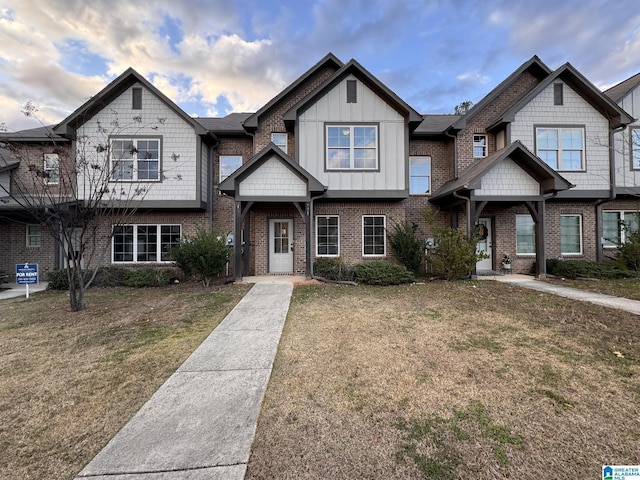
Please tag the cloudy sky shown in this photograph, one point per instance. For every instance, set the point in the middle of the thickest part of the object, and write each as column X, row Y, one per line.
column 213, row 57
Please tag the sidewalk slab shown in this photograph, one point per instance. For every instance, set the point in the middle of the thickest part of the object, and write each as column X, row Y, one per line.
column 201, row 422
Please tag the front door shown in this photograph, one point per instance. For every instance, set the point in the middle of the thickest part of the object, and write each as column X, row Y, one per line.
column 484, row 245
column 280, row 246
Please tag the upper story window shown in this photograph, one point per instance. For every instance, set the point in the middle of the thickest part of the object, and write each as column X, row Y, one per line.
column 135, row 159
column 419, row 175
column 479, row 146
column 280, row 139
column 561, row 148
column 352, row 147
column 51, row 169
column 635, row 148
column 136, row 98
column 229, row 164
column 34, row 235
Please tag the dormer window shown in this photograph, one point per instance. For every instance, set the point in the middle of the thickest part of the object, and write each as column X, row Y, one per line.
column 280, row 140
column 479, row 146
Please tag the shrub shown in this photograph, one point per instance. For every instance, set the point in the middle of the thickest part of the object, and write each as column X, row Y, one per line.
column 629, row 251
column 382, row 273
column 58, row 279
column 147, row 277
column 333, row 268
column 454, row 255
column 408, row 249
column 582, row 268
column 110, row 277
column 204, row 255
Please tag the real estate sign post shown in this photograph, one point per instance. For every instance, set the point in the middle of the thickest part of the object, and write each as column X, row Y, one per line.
column 27, row 274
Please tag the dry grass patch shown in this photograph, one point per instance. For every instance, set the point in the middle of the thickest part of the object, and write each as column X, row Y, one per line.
column 70, row 381
column 623, row 287
column 448, row 380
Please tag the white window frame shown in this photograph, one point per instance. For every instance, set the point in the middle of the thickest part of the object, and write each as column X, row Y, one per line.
column 384, row 236
column 580, row 234
column 352, row 148
column 135, row 159
column 621, row 231
column 318, row 254
column 134, row 249
column 428, row 177
column 533, row 223
column 634, row 135
column 280, row 140
column 32, row 236
column 51, row 164
column 478, row 144
column 227, row 171
column 560, row 148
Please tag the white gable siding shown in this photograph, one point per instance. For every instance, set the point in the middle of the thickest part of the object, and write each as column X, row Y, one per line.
column 508, row 179
column 204, row 170
column 273, row 179
column 625, row 175
column 178, row 161
column 369, row 109
column 575, row 111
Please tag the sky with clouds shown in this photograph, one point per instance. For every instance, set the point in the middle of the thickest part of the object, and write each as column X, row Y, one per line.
column 213, row 57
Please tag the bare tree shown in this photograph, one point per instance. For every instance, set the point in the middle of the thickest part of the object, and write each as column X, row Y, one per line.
column 81, row 195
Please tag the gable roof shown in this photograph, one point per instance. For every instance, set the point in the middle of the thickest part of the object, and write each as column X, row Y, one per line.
column 33, row 135
column 7, row 160
column 621, row 90
column 534, row 65
column 329, row 60
column 230, row 125
column 567, row 73
column 471, row 178
column 354, row 68
column 228, row 185
column 96, row 103
column 435, row 124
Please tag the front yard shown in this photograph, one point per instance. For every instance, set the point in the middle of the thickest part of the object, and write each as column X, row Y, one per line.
column 442, row 380
column 473, row 380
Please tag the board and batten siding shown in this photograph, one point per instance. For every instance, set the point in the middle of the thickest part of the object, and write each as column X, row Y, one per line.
column 508, row 179
column 369, row 109
column 626, row 176
column 575, row 111
column 179, row 163
column 272, row 179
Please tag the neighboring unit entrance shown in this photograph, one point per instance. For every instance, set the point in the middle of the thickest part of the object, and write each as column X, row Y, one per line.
column 484, row 245
column 281, row 246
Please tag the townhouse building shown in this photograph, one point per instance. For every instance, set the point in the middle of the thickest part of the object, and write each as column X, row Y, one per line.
column 541, row 167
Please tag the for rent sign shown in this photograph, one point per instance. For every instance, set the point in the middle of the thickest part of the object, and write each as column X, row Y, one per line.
column 27, row 273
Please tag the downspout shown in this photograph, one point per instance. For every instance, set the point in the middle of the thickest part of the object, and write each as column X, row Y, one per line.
column 612, row 192
column 210, row 176
column 468, row 210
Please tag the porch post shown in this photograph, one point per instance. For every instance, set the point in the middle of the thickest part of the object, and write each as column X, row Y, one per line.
column 237, row 248
column 308, row 220
column 541, row 261
column 245, row 245
column 599, row 233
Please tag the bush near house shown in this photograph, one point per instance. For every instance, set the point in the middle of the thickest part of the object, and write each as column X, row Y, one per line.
column 379, row 272
column 204, row 256
column 117, row 277
column 407, row 248
column 585, row 269
column 333, row 268
column 629, row 251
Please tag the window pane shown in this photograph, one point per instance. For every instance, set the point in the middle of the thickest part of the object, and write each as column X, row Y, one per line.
column 51, row 169
column 550, row 157
column 525, row 235
column 373, row 236
column 339, row 136
column 364, row 137
column 571, row 160
column 547, row 138
column 631, row 221
column 123, row 244
column 169, row 238
column 280, row 139
column 147, row 243
column 34, row 235
column 229, row 164
column 338, row 158
column 571, row 139
column 611, row 228
column 635, row 147
column 479, row 146
column 570, row 235
column 364, row 158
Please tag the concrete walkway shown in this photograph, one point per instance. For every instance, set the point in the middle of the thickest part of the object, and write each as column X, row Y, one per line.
column 201, row 422
column 14, row 290
column 527, row 281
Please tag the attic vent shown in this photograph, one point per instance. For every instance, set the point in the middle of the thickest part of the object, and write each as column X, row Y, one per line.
column 558, row 98
column 352, row 96
column 136, row 98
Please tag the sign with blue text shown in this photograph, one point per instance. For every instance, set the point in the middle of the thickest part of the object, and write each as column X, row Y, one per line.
column 621, row 472
column 27, row 273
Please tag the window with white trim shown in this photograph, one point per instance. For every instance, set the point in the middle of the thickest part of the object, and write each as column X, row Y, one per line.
column 374, row 238
column 571, row 234
column 327, row 236
column 525, row 235
column 280, row 139
column 51, row 169
column 135, row 159
column 561, row 148
column 617, row 224
column 352, row 147
column 420, row 175
column 229, row 164
column 34, row 236
column 635, row 148
column 144, row 243
column 479, row 146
